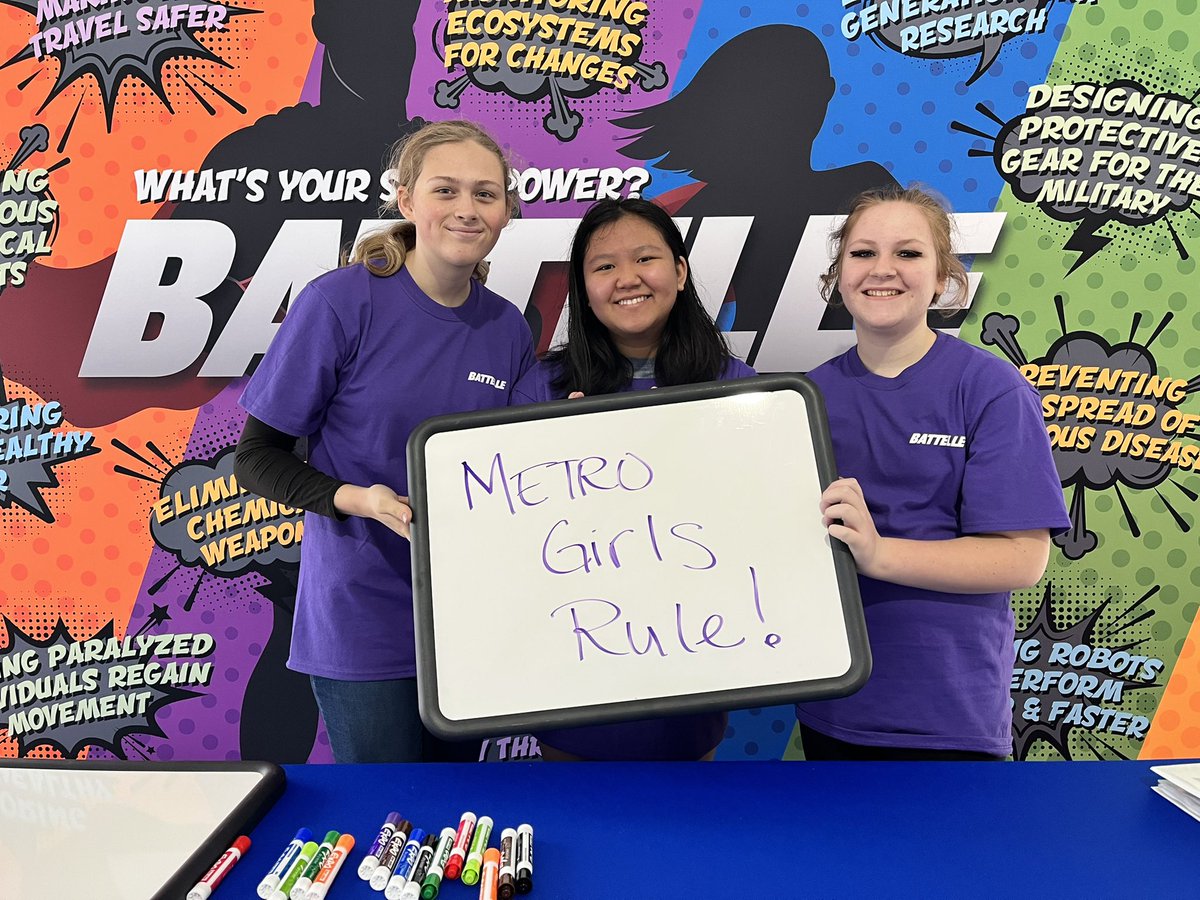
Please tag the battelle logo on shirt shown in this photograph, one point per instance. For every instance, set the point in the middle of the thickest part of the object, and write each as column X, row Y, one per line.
column 488, row 379
column 938, row 440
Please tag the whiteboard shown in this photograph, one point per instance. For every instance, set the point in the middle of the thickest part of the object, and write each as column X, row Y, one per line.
column 123, row 830
column 629, row 556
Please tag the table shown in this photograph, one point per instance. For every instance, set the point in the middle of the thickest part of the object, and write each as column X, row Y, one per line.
column 769, row 829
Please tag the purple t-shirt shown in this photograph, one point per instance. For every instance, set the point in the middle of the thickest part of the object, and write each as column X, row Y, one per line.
column 357, row 364
column 954, row 445
column 672, row 738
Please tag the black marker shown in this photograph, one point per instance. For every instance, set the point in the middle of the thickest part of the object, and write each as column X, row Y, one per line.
column 524, row 858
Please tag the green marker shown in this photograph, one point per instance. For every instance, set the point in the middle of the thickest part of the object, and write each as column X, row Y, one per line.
column 433, row 878
column 479, row 843
column 304, row 882
column 307, row 852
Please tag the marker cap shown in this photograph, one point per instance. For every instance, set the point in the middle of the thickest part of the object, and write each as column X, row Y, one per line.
column 286, row 858
column 524, row 861
column 297, row 869
column 479, row 844
column 380, row 878
column 367, row 867
column 214, row 876
column 470, row 872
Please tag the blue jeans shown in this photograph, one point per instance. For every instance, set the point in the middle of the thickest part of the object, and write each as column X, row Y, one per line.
column 378, row 721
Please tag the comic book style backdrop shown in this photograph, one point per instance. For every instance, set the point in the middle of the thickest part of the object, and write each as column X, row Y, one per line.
column 173, row 173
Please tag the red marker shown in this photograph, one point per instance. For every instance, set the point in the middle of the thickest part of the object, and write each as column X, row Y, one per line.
column 220, row 868
column 458, row 853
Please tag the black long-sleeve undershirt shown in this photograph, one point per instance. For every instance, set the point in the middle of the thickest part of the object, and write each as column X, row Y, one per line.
column 266, row 463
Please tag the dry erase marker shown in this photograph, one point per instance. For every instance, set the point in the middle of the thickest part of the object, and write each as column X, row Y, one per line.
column 437, row 868
column 524, row 858
column 412, row 889
column 307, row 852
column 213, row 877
column 300, row 889
column 479, row 843
column 286, row 858
column 405, row 864
column 491, row 868
column 390, row 856
column 462, row 839
column 371, row 861
column 507, row 886
column 331, row 867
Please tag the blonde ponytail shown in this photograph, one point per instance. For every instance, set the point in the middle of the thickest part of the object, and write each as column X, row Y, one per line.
column 384, row 252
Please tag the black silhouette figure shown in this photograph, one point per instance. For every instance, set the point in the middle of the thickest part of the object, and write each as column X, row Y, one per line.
column 369, row 53
column 744, row 127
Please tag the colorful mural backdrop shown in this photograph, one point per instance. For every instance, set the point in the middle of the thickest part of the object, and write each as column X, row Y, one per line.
column 173, row 173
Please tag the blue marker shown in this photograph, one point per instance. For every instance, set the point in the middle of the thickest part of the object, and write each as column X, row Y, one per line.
column 290, row 852
column 405, row 864
column 412, row 890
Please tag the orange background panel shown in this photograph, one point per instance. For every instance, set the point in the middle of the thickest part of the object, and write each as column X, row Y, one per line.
column 1175, row 731
column 88, row 564
column 96, row 189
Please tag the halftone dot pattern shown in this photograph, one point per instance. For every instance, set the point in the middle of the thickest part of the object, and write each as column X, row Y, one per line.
column 1143, row 544
column 99, row 163
column 1097, row 50
column 231, row 610
column 1074, row 597
column 519, row 124
column 760, row 733
column 98, row 533
column 93, row 555
column 1175, row 730
column 922, row 97
column 78, row 616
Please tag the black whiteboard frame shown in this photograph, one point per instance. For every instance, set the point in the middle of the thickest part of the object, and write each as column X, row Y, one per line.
column 240, row 820
column 736, row 698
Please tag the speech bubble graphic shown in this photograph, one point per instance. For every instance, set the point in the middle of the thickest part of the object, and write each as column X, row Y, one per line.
column 1075, row 680
column 96, row 692
column 206, row 519
column 113, row 42
column 1112, row 419
column 28, row 212
column 31, row 445
column 516, row 48
column 948, row 29
column 1098, row 154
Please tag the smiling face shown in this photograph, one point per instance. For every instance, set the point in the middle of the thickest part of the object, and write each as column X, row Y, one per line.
column 632, row 279
column 889, row 271
column 458, row 206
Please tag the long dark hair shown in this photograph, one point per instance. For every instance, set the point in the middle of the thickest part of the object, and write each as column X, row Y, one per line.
column 691, row 348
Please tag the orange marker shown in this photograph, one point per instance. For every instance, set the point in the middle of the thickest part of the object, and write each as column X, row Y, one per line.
column 491, row 874
column 330, row 867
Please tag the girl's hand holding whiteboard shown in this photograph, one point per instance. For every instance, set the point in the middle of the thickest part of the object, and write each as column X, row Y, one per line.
column 847, row 518
column 378, row 502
